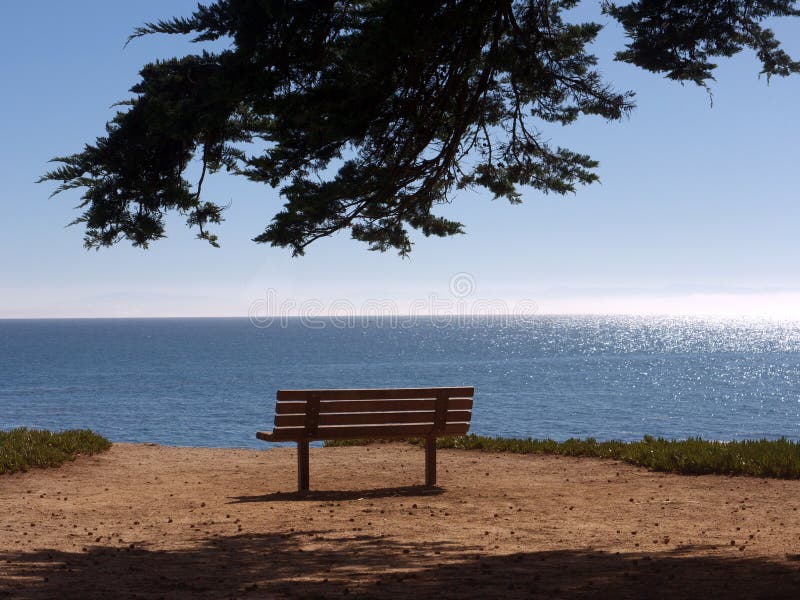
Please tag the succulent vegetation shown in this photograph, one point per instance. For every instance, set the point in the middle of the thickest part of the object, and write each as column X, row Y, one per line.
column 694, row 456
column 23, row 448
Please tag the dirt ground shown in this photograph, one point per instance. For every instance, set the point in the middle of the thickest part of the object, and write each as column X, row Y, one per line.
column 145, row 521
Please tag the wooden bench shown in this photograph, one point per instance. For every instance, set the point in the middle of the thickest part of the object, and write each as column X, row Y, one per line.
column 305, row 415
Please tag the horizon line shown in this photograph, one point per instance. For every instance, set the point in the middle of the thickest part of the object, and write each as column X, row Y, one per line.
column 366, row 316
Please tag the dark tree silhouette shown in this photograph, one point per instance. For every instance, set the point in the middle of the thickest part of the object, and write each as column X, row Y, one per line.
column 368, row 113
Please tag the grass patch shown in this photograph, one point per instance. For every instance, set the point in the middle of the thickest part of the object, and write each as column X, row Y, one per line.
column 694, row 456
column 22, row 449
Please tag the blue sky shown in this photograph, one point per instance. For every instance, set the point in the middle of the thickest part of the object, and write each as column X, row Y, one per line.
column 697, row 210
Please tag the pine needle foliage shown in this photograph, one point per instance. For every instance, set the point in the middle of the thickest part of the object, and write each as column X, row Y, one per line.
column 369, row 114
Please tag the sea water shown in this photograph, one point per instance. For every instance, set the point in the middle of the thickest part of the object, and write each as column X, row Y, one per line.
column 212, row 382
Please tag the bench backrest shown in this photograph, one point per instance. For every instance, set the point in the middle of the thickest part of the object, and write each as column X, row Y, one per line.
column 372, row 413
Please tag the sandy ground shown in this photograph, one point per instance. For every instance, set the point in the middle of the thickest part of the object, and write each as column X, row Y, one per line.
column 154, row 522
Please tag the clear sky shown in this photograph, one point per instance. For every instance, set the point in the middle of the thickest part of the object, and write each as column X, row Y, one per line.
column 697, row 211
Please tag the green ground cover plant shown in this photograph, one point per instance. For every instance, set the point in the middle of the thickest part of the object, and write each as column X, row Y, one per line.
column 23, row 448
column 694, row 456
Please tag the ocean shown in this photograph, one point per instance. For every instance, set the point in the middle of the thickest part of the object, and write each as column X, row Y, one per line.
column 212, row 382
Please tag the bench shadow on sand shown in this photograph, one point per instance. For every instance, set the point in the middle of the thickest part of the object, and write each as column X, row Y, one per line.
column 406, row 491
column 372, row 566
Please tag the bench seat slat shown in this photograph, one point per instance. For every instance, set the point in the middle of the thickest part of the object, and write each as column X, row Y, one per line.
column 376, row 394
column 289, row 434
column 341, row 406
column 372, row 418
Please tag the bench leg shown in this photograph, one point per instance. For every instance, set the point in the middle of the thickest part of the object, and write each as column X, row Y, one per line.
column 430, row 461
column 302, row 466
